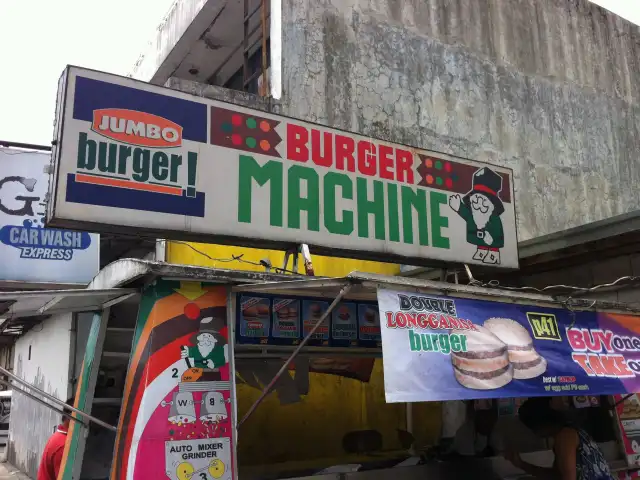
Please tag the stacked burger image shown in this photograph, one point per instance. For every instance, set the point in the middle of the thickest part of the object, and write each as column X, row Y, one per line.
column 344, row 315
column 314, row 313
column 288, row 317
column 497, row 352
column 371, row 315
column 257, row 317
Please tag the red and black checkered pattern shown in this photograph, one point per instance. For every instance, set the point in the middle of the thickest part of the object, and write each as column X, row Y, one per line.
column 240, row 131
column 455, row 177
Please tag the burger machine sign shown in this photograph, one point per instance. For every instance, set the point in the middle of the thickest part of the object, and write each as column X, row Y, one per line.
column 129, row 155
column 444, row 348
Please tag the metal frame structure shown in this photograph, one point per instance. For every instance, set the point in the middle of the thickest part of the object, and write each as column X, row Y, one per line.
column 27, row 385
column 137, row 274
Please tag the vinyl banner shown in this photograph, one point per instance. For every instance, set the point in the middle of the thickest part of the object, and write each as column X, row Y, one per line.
column 445, row 348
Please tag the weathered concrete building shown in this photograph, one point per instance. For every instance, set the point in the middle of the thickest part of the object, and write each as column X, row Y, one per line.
column 545, row 87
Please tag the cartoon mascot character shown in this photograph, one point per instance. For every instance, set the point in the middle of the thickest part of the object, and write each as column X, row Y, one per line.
column 210, row 350
column 481, row 209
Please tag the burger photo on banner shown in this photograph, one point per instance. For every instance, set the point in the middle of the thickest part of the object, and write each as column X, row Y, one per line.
column 497, row 352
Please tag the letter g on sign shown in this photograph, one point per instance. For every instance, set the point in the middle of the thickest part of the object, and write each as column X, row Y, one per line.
column 27, row 206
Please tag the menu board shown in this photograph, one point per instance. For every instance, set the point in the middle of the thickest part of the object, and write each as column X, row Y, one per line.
column 344, row 325
column 279, row 320
column 628, row 416
column 286, row 321
column 254, row 319
column 312, row 311
column 369, row 325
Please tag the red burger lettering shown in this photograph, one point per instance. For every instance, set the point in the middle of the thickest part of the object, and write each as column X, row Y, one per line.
column 321, row 152
column 344, row 153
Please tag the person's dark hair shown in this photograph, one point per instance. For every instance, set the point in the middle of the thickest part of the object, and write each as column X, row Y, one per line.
column 537, row 412
column 70, row 401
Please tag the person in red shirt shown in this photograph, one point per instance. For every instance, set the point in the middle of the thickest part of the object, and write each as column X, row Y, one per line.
column 54, row 449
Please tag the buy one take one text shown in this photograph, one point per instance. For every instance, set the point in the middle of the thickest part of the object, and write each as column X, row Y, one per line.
column 597, row 352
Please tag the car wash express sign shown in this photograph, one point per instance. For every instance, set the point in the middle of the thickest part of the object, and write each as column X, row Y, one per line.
column 446, row 348
column 133, row 155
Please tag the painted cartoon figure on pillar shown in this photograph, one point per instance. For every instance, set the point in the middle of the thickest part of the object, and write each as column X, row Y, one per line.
column 179, row 421
column 481, row 209
column 209, row 349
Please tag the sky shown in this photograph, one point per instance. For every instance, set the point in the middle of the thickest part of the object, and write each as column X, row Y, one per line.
column 38, row 38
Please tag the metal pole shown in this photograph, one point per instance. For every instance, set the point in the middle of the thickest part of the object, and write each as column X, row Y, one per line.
column 39, row 400
column 28, row 146
column 295, row 353
column 409, row 414
column 56, row 401
column 263, row 21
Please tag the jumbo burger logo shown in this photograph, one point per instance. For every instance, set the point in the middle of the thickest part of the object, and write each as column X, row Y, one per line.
column 139, row 128
column 136, row 160
column 483, row 357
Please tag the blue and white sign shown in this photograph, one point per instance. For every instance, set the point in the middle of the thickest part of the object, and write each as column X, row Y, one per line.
column 30, row 252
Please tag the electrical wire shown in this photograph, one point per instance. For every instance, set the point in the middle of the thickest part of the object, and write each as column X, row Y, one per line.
column 571, row 288
column 491, row 284
column 234, row 258
column 5, row 151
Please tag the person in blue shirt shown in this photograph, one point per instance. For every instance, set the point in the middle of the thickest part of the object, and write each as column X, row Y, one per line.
column 577, row 455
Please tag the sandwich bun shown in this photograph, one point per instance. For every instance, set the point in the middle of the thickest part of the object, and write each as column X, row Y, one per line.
column 474, row 364
column 261, row 309
column 526, row 371
column 485, row 365
column 315, row 309
column 510, row 332
column 526, row 362
column 481, row 340
column 477, row 383
column 250, row 312
column 370, row 315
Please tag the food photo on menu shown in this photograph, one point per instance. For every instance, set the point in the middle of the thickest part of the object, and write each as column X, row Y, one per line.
column 286, row 319
column 312, row 313
column 254, row 315
column 344, row 325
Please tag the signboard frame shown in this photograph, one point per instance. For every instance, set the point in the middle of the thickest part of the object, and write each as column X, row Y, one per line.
column 372, row 249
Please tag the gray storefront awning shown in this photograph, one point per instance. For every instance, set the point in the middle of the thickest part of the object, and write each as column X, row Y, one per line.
column 21, row 309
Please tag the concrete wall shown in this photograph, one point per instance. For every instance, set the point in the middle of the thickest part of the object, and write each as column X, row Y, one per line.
column 546, row 87
column 48, row 369
column 595, row 272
